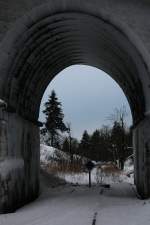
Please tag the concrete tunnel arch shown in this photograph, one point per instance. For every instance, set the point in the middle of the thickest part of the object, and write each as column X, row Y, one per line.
column 41, row 44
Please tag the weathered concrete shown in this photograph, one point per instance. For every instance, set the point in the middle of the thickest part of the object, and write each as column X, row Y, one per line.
column 19, row 162
column 141, row 142
column 39, row 38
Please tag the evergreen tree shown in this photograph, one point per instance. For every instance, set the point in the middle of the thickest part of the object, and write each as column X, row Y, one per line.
column 105, row 143
column 118, row 142
column 95, row 145
column 66, row 145
column 54, row 119
column 84, row 147
column 74, row 145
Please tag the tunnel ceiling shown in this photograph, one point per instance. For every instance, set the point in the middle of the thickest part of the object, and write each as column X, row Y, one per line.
column 54, row 42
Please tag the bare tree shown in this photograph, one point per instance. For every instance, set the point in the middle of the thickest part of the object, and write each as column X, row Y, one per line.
column 118, row 115
column 70, row 141
column 118, row 120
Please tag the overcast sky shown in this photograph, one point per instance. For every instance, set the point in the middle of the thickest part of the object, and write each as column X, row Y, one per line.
column 88, row 97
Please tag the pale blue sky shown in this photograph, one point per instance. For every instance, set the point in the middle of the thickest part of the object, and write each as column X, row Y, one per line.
column 88, row 97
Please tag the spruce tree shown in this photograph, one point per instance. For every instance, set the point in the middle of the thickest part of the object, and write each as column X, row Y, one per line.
column 118, row 141
column 66, row 145
column 95, row 145
column 105, row 143
column 84, row 146
column 54, row 119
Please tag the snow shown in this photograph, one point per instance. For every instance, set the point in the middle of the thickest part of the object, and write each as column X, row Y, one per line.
column 10, row 165
column 73, row 204
column 77, row 206
column 3, row 103
column 129, row 167
column 96, row 177
column 48, row 153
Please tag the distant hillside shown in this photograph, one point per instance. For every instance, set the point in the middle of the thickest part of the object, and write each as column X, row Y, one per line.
column 48, row 153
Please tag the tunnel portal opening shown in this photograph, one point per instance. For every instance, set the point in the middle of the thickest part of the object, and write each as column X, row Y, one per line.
column 39, row 46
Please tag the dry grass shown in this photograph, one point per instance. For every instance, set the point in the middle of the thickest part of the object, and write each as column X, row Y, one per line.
column 107, row 170
column 64, row 167
column 110, row 169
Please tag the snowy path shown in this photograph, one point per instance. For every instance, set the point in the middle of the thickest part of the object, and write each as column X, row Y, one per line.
column 68, row 205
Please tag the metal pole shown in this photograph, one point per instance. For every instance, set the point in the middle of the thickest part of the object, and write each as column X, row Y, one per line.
column 89, row 178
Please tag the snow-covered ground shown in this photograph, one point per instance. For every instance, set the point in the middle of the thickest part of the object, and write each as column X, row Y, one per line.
column 83, row 178
column 76, row 205
column 72, row 204
column 49, row 154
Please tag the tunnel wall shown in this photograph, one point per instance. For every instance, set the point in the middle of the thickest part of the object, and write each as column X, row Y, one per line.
column 128, row 12
column 19, row 161
column 141, row 144
column 126, row 19
column 19, row 137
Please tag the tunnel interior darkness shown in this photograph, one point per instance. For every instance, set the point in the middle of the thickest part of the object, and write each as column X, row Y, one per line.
column 55, row 42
